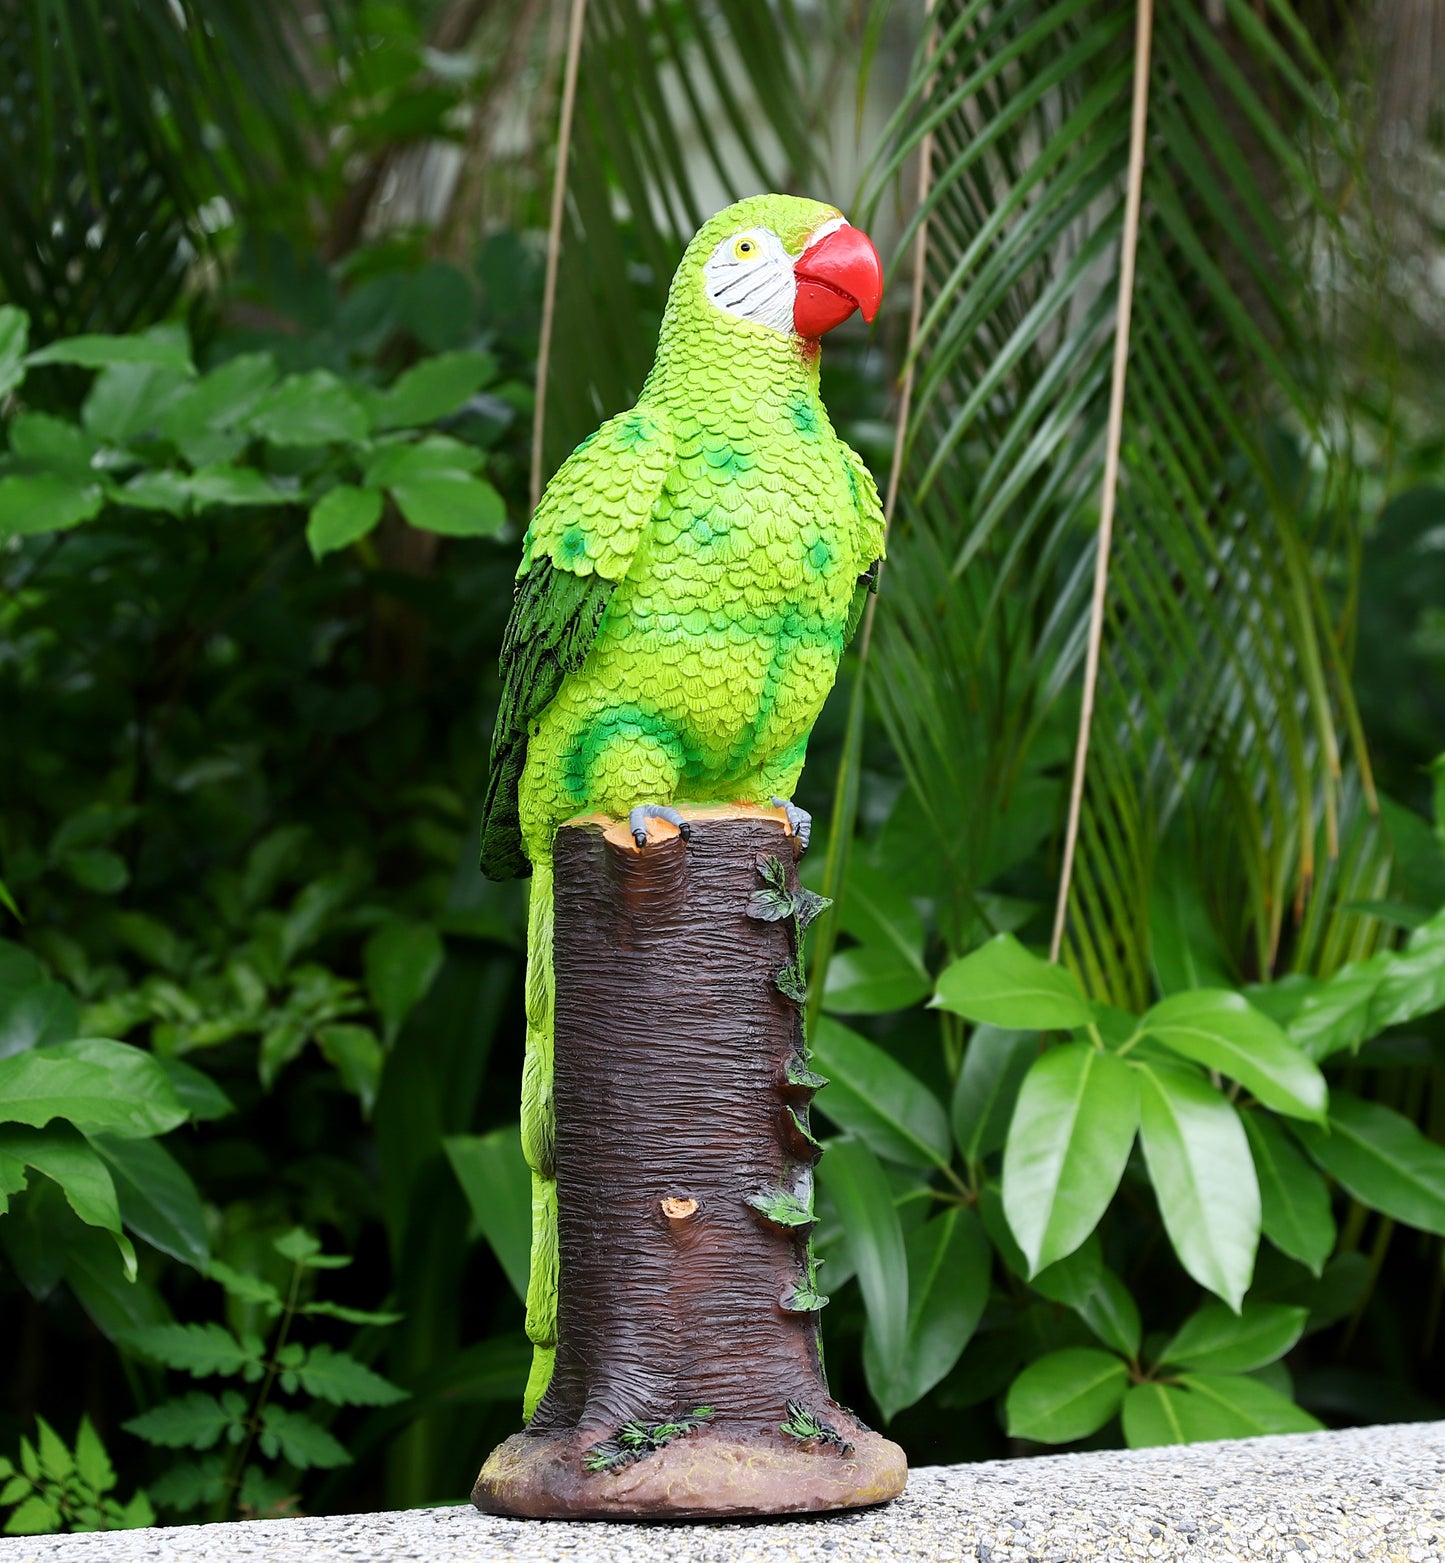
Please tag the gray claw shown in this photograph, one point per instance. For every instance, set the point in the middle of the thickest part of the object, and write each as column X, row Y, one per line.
column 800, row 822
column 637, row 821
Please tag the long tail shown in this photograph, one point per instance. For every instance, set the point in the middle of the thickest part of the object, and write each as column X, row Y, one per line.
column 539, row 1131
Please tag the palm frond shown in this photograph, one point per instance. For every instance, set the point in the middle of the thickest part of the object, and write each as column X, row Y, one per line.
column 670, row 95
column 1223, row 682
column 122, row 123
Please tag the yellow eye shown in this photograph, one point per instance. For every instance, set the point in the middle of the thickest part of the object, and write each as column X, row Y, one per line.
column 745, row 249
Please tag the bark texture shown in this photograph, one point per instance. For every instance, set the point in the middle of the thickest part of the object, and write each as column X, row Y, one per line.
column 688, row 1380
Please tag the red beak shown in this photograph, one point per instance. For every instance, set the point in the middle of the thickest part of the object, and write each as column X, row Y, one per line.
column 839, row 273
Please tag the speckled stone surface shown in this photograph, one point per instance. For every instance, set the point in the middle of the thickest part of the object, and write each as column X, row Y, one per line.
column 1371, row 1495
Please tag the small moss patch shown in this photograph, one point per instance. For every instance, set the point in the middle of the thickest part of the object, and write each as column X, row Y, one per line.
column 807, row 1427
column 636, row 1440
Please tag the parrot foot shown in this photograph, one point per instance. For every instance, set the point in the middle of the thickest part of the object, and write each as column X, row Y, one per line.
column 800, row 822
column 637, row 821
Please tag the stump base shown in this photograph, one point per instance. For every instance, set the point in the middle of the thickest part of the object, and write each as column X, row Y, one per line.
column 709, row 1475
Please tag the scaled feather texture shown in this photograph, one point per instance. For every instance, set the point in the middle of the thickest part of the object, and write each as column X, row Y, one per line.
column 687, row 586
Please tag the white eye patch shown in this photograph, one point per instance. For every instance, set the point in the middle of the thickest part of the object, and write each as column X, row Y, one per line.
column 750, row 275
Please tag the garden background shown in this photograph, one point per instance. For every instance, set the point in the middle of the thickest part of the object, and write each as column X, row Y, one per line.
column 272, row 286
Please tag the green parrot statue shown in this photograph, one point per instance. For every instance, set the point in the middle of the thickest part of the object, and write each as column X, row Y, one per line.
column 688, row 583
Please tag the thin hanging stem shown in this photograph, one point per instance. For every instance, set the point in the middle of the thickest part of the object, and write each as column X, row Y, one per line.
column 554, row 239
column 845, row 791
column 1137, row 128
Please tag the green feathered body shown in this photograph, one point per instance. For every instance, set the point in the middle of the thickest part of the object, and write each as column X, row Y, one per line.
column 687, row 587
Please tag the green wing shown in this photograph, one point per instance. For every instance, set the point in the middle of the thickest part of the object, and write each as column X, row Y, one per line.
column 869, row 535
column 578, row 547
column 555, row 618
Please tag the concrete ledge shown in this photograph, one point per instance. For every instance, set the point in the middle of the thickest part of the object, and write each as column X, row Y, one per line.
column 1370, row 1494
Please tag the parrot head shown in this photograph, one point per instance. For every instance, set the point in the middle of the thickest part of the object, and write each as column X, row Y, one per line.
column 788, row 265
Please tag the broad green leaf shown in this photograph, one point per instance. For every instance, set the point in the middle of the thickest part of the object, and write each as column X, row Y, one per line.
column 138, row 1083
column 1166, row 1414
column 1294, row 1202
column 995, row 1062
column 454, row 505
column 401, row 961
column 216, row 402
column 90, row 1085
column 36, row 1017
column 1249, row 1408
column 1003, row 984
column 314, row 408
column 197, row 1349
column 65, row 1158
column 334, row 1376
column 14, row 334
column 345, row 514
column 296, row 1438
column 52, row 442
column 879, row 912
column 433, row 388
column 1336, row 1014
column 46, row 502
column 357, row 1056
column 166, row 348
column 13, row 1178
column 1085, row 1284
column 1224, row 1032
column 872, row 980
column 859, row 1188
column 226, row 485
column 1065, row 1395
column 871, row 1095
column 98, row 869
column 281, row 1044
column 1382, row 1159
column 404, row 461
column 1069, row 1139
column 1214, row 1340
column 1199, row 1163
column 949, row 1260
column 96, row 1270
column 201, row 1097
column 193, row 1421
column 158, row 1200
column 165, row 491
column 1413, row 982
column 498, row 1185
column 127, row 400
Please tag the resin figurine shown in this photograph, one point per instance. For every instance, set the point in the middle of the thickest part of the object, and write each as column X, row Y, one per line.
column 687, row 587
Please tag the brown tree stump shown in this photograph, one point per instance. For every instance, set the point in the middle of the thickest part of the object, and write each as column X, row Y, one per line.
column 689, row 1381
